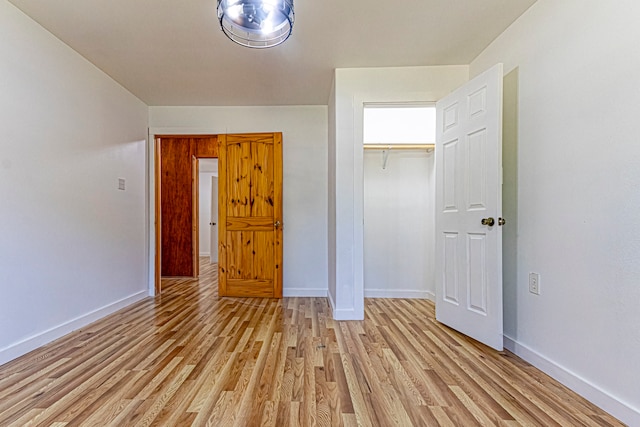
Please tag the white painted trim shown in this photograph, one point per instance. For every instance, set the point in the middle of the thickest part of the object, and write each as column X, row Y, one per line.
column 205, row 254
column 346, row 314
column 176, row 130
column 343, row 313
column 399, row 293
column 596, row 395
column 25, row 346
column 305, row 292
column 151, row 214
column 332, row 303
column 148, row 211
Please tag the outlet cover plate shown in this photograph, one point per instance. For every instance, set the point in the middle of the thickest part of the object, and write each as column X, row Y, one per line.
column 534, row 283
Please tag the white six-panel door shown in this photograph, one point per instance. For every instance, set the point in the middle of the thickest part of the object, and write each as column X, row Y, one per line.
column 468, row 191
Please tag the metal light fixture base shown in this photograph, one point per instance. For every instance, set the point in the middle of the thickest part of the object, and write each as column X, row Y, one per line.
column 256, row 24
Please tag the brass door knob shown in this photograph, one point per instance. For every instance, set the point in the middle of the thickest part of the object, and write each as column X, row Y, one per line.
column 502, row 221
column 488, row 221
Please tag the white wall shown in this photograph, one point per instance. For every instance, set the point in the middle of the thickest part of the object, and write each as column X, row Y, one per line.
column 354, row 88
column 399, row 224
column 578, row 195
column 72, row 246
column 304, row 137
column 204, row 213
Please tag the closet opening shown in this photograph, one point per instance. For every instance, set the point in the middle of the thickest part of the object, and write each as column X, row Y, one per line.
column 399, row 200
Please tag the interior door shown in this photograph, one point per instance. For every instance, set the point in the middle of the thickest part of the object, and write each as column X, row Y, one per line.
column 250, row 215
column 175, row 210
column 469, row 209
column 213, row 222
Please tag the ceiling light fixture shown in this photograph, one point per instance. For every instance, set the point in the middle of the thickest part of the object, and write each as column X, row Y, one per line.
column 256, row 23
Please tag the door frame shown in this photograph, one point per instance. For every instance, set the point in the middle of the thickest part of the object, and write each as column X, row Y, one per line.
column 155, row 219
column 359, row 103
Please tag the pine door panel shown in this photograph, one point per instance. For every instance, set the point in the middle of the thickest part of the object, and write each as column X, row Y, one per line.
column 250, row 213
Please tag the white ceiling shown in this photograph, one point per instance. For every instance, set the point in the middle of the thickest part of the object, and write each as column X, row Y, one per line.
column 172, row 52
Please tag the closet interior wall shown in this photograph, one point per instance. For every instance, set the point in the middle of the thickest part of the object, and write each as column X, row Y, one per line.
column 399, row 226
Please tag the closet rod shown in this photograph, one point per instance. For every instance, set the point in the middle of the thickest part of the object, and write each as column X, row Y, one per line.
column 398, row 146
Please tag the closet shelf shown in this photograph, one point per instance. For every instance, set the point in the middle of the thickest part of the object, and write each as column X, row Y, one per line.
column 386, row 148
column 399, row 146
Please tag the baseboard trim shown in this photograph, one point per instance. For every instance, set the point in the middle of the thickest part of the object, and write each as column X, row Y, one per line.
column 23, row 347
column 205, row 254
column 599, row 397
column 345, row 314
column 342, row 313
column 332, row 303
column 398, row 293
column 304, row 292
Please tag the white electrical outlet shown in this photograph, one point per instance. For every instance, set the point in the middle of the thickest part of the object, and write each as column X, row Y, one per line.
column 534, row 283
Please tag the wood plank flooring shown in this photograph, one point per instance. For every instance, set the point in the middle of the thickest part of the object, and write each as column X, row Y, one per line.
column 188, row 357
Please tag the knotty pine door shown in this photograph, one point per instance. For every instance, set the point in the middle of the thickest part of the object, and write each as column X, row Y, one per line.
column 250, row 215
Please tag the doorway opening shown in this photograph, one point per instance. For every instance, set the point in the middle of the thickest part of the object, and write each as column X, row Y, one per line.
column 249, row 223
column 399, row 198
column 208, row 210
column 176, row 203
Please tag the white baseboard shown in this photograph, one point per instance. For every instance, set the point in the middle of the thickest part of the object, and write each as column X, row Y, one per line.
column 304, row 292
column 399, row 293
column 205, row 253
column 599, row 397
column 342, row 313
column 332, row 303
column 346, row 314
column 23, row 347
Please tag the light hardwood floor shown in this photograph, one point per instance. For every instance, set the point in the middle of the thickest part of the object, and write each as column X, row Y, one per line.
column 188, row 357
